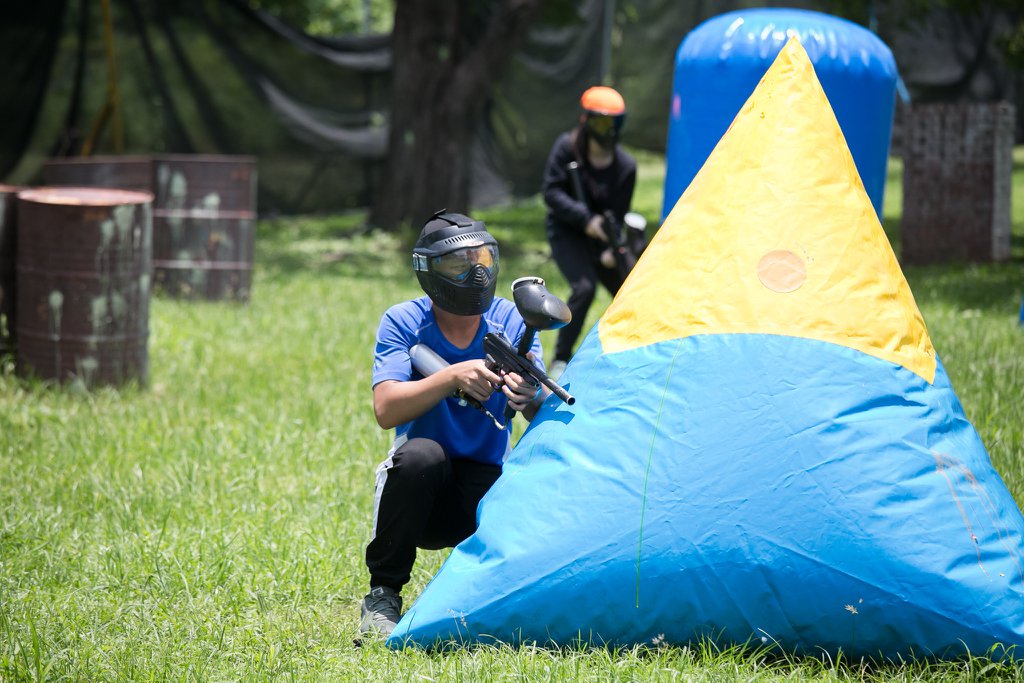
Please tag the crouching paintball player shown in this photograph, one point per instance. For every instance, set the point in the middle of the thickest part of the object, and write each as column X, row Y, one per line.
column 449, row 445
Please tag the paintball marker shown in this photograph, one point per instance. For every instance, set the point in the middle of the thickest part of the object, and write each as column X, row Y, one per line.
column 426, row 362
column 625, row 249
column 541, row 310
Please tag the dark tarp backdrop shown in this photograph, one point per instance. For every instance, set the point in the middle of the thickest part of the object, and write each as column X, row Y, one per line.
column 205, row 77
column 217, row 77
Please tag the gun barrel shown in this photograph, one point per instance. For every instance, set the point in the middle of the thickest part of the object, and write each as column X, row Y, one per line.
column 558, row 391
column 501, row 353
column 573, row 169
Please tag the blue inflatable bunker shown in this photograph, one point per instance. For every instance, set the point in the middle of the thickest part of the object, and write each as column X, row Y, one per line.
column 719, row 63
column 764, row 447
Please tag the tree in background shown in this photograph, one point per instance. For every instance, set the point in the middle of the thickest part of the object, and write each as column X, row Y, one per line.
column 446, row 56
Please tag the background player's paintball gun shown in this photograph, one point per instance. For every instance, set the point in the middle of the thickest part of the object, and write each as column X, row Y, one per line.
column 626, row 244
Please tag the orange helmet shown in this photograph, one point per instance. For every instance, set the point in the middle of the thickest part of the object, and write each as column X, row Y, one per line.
column 603, row 100
column 604, row 112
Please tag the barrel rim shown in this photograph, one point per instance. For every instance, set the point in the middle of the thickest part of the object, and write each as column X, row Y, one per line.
column 206, row 214
column 99, row 159
column 147, row 158
column 205, row 157
column 82, row 195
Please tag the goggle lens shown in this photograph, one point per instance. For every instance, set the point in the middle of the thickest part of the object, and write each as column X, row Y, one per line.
column 603, row 124
column 456, row 265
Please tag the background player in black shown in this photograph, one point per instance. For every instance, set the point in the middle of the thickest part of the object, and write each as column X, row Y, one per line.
column 574, row 224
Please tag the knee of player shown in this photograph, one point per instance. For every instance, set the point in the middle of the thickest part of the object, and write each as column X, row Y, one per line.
column 418, row 457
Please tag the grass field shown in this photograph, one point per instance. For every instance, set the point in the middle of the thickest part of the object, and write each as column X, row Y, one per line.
column 211, row 526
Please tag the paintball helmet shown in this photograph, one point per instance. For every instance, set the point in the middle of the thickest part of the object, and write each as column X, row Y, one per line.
column 456, row 263
column 604, row 113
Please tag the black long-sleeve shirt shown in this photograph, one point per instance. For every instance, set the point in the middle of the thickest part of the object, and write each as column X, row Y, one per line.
column 609, row 188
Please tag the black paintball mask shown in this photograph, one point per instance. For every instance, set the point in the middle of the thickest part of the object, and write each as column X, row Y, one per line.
column 456, row 263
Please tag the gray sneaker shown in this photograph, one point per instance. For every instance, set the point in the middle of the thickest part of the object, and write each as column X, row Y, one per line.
column 382, row 608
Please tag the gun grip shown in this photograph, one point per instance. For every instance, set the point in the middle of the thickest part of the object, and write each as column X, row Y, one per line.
column 526, row 342
column 523, row 348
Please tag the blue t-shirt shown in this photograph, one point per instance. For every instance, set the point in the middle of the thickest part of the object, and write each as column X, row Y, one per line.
column 462, row 431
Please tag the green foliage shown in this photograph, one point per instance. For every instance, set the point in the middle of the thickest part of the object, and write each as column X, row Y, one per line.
column 332, row 17
column 211, row 526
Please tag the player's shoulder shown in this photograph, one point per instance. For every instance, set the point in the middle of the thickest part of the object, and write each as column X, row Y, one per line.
column 409, row 313
column 504, row 318
column 627, row 160
column 563, row 145
column 501, row 309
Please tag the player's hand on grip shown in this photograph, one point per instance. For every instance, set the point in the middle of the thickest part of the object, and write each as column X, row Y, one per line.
column 595, row 228
column 473, row 378
column 518, row 390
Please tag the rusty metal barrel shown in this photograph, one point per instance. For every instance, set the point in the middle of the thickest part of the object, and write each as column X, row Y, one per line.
column 957, row 182
column 84, row 268
column 8, row 259
column 204, row 215
column 204, row 224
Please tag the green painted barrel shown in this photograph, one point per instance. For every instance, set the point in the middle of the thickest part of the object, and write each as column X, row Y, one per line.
column 84, row 267
column 204, row 225
column 204, row 215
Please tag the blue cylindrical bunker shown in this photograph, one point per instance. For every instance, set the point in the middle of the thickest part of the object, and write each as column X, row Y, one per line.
column 721, row 61
column 84, row 268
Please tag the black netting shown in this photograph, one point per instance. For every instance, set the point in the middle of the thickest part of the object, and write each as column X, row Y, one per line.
column 207, row 76
column 30, row 34
column 200, row 77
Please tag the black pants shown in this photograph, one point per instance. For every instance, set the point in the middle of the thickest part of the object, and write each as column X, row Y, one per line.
column 423, row 500
column 578, row 257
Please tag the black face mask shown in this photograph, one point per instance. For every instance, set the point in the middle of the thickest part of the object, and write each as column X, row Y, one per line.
column 471, row 291
column 472, row 296
column 605, row 130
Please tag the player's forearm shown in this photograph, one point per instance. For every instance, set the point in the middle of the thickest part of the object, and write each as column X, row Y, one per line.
column 396, row 403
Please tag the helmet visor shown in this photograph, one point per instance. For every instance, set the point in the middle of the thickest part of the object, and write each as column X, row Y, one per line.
column 603, row 124
column 456, row 265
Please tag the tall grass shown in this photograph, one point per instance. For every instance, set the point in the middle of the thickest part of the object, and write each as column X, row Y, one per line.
column 211, row 526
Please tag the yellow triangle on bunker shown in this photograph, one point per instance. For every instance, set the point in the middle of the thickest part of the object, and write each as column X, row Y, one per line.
column 775, row 235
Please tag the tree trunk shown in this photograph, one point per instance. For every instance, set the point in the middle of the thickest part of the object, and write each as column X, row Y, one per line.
column 446, row 55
